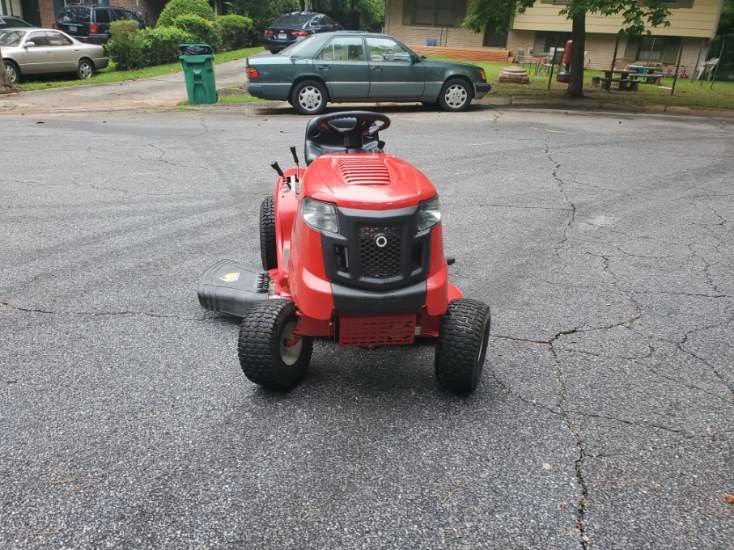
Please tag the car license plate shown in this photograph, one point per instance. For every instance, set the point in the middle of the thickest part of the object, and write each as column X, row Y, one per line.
column 72, row 28
column 282, row 36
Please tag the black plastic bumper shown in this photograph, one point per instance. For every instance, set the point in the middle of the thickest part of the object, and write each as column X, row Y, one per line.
column 353, row 301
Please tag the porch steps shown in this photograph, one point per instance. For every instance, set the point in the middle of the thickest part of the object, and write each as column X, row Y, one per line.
column 470, row 54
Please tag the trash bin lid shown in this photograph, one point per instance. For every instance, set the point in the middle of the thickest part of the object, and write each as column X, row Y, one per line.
column 195, row 49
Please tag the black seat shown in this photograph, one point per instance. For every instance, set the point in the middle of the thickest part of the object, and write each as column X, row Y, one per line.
column 346, row 132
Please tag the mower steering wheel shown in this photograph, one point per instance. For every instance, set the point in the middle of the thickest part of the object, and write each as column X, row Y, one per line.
column 354, row 123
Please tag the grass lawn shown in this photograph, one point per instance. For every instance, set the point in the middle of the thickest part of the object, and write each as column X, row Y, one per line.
column 109, row 74
column 687, row 93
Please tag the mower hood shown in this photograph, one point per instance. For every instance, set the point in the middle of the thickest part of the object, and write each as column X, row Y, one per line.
column 370, row 181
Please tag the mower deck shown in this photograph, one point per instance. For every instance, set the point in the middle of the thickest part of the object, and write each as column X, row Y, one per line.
column 230, row 287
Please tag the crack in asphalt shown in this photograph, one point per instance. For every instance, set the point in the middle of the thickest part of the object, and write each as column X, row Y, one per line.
column 103, row 313
column 562, row 188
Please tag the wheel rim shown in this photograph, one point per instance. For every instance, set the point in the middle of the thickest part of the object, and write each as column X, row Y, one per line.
column 85, row 70
column 310, row 98
column 456, row 96
column 12, row 75
column 290, row 344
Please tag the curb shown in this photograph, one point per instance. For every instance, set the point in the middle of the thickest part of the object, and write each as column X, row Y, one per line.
column 595, row 105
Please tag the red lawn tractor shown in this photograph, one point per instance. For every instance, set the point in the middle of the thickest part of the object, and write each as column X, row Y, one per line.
column 352, row 251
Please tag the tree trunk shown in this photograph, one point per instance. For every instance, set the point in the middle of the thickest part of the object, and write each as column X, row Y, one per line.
column 578, row 34
column 4, row 84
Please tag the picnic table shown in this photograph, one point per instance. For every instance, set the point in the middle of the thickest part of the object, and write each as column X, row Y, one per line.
column 628, row 80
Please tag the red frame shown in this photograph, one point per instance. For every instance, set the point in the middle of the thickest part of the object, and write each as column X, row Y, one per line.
column 301, row 275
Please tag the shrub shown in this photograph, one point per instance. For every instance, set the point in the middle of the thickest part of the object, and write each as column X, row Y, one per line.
column 160, row 44
column 125, row 46
column 176, row 8
column 235, row 31
column 199, row 28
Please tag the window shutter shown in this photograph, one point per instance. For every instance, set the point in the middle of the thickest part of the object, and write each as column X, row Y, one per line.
column 408, row 12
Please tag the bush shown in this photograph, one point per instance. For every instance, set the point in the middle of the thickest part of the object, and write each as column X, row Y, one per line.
column 199, row 28
column 234, row 31
column 160, row 44
column 176, row 8
column 125, row 46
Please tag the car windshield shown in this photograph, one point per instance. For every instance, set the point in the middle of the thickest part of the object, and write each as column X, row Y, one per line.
column 10, row 38
column 300, row 48
column 75, row 13
column 291, row 20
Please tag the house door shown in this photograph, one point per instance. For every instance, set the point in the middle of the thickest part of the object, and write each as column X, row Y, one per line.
column 31, row 12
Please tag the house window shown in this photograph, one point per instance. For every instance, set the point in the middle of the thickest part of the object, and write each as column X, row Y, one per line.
column 434, row 13
column 654, row 49
column 544, row 41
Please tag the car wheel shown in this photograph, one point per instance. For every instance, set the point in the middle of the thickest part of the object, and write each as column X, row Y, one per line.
column 462, row 345
column 309, row 97
column 456, row 95
column 85, row 70
column 271, row 353
column 13, row 72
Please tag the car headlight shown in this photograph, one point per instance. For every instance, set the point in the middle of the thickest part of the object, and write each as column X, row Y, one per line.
column 482, row 75
column 320, row 215
column 429, row 214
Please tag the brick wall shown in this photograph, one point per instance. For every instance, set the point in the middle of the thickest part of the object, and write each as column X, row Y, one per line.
column 414, row 35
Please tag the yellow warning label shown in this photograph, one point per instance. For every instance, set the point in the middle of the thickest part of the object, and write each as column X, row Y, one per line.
column 230, row 277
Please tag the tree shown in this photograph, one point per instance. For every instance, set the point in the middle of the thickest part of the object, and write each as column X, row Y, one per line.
column 637, row 14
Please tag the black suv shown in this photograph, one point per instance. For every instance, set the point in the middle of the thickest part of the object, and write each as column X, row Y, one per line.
column 290, row 27
column 92, row 23
column 10, row 22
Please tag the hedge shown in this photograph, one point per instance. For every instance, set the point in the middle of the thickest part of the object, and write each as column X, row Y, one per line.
column 235, row 31
column 176, row 8
column 125, row 46
column 198, row 27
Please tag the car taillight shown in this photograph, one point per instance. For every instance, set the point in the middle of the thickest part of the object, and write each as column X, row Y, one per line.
column 300, row 33
column 252, row 73
column 268, row 32
column 93, row 28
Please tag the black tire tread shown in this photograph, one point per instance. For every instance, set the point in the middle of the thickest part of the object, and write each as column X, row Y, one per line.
column 268, row 251
column 458, row 345
column 18, row 74
column 258, row 346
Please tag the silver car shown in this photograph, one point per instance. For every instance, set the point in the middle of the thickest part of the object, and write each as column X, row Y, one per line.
column 48, row 51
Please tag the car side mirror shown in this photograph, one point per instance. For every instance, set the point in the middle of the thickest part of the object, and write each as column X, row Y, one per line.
column 415, row 59
column 30, row 44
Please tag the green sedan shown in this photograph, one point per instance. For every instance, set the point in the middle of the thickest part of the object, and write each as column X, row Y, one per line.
column 356, row 67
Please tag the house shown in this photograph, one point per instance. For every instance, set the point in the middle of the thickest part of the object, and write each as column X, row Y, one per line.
column 43, row 12
column 421, row 22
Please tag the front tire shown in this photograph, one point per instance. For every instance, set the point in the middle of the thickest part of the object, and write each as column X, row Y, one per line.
column 86, row 69
column 13, row 72
column 456, row 95
column 268, row 251
column 309, row 97
column 270, row 354
column 462, row 345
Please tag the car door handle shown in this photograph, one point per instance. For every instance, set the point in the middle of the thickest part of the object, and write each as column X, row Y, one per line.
column 376, row 68
column 323, row 67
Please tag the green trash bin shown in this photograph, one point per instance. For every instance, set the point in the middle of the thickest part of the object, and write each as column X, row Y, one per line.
column 197, row 61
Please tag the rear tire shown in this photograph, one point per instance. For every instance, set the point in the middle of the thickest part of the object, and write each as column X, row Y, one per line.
column 268, row 250
column 270, row 354
column 456, row 95
column 309, row 97
column 13, row 72
column 462, row 345
column 86, row 69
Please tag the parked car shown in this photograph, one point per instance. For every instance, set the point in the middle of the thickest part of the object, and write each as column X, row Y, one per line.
column 47, row 51
column 349, row 66
column 290, row 27
column 12, row 22
column 92, row 23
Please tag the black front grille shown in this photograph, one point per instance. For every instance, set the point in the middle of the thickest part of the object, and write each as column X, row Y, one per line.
column 380, row 250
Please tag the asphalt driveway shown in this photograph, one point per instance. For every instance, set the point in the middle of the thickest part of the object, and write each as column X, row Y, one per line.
column 604, row 418
column 162, row 91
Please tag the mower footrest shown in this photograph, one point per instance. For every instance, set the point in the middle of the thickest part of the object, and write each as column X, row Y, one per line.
column 232, row 288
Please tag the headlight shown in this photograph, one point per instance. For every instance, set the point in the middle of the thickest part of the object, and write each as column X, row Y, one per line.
column 482, row 75
column 320, row 215
column 429, row 214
